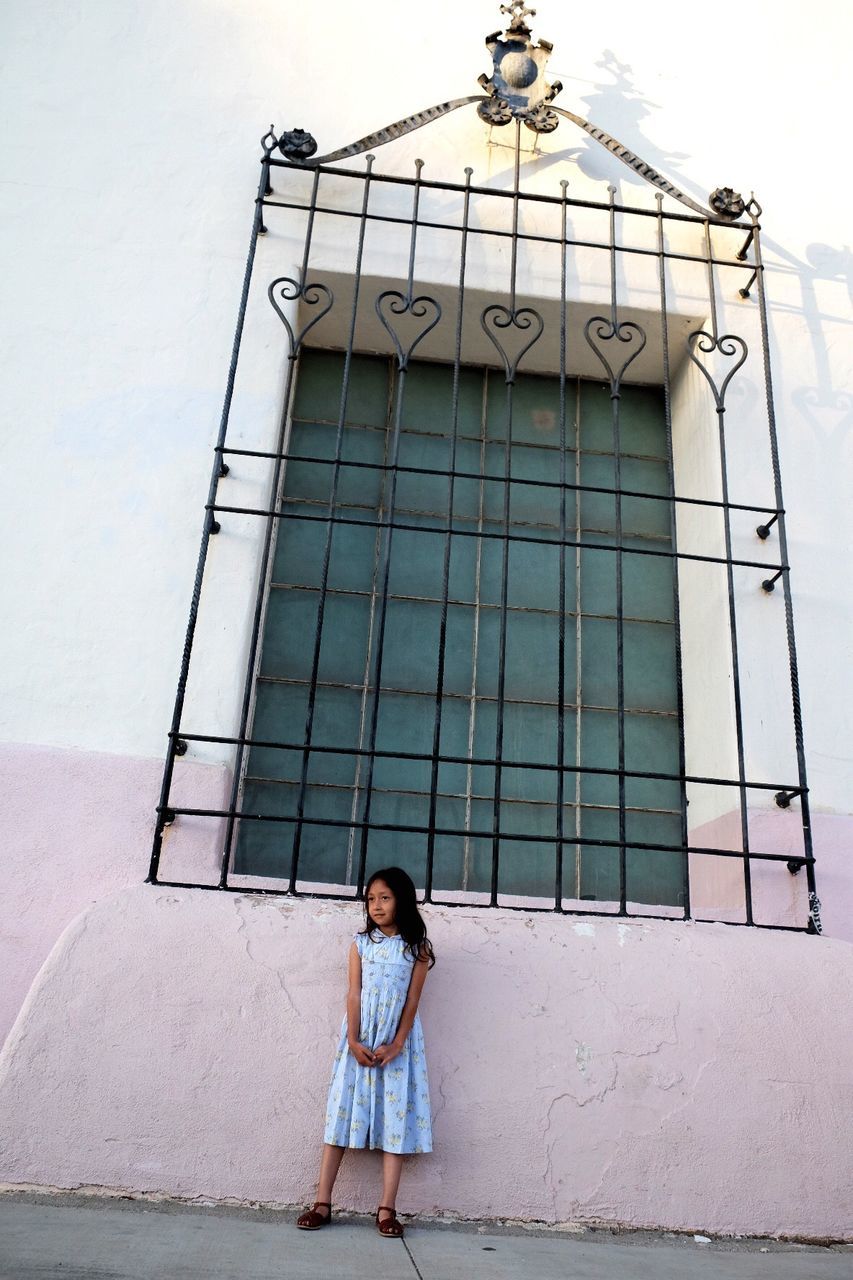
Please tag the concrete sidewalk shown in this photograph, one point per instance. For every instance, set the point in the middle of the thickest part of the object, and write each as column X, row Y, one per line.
column 81, row 1238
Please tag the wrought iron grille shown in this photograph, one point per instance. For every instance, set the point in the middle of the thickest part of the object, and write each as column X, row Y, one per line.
column 405, row 265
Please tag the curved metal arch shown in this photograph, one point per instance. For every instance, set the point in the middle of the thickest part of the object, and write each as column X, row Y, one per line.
column 297, row 145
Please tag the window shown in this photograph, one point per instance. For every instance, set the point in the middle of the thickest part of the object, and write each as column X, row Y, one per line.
column 474, row 715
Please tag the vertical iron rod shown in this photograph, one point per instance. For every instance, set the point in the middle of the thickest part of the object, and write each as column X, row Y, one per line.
column 448, row 540
column 327, row 549
column 499, row 731
column 730, row 582
column 207, row 529
column 786, row 584
column 270, row 528
column 385, row 567
column 561, row 619
column 673, row 534
column 615, row 392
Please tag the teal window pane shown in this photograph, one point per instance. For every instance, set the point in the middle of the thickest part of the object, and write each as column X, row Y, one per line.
column 410, row 652
column 647, row 516
column 531, row 656
column 597, row 510
column 533, row 580
column 599, row 749
column 527, row 867
column 535, row 509
column 466, row 492
column 405, row 849
column 599, row 864
column 530, row 733
column 535, row 408
column 598, row 662
column 343, row 649
column 459, row 650
column 647, row 584
column 649, row 666
column 299, row 550
column 290, row 625
column 404, row 724
column 423, row 492
column 417, row 564
column 318, row 388
column 428, row 399
column 652, row 746
column 597, row 578
column 654, row 876
column 469, row 712
column 596, row 418
column 642, row 422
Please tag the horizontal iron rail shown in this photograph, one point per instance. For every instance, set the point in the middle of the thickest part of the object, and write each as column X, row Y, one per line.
column 535, row 197
column 495, row 479
column 488, row 762
column 510, row 537
column 501, row 233
column 472, row 833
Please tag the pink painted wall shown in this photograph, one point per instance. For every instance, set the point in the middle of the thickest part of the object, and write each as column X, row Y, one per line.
column 656, row 1074
column 77, row 827
column 778, row 898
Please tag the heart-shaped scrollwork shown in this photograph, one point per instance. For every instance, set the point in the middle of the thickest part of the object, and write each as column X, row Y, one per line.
column 395, row 303
column 727, row 345
column 599, row 329
column 312, row 294
column 496, row 317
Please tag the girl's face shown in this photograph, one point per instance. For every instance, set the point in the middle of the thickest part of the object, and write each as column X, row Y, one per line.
column 381, row 904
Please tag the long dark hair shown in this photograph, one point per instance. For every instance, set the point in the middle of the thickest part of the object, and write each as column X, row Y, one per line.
column 407, row 918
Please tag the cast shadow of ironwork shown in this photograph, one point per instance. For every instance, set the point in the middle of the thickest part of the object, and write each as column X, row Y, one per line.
column 620, row 107
column 827, row 410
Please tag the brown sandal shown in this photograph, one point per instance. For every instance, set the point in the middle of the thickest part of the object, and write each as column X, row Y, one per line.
column 311, row 1220
column 389, row 1226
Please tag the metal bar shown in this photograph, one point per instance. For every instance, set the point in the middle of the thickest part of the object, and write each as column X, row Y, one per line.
column 329, row 518
column 786, row 585
column 497, row 233
column 615, row 391
column 421, row 829
column 543, row 484
column 209, row 521
column 448, row 539
column 732, row 608
column 673, row 533
column 386, row 522
column 511, row 537
column 532, row 196
column 266, row 550
column 510, row 381
column 488, row 761
column 561, row 606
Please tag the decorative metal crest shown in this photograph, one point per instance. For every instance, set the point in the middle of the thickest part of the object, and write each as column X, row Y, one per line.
column 518, row 88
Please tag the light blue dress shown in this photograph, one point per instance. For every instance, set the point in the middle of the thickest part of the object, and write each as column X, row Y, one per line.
column 385, row 1107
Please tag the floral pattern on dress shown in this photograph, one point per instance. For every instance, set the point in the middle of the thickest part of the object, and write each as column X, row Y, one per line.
column 381, row 1107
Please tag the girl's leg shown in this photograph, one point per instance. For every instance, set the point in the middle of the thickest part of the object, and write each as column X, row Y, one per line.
column 392, row 1167
column 330, row 1163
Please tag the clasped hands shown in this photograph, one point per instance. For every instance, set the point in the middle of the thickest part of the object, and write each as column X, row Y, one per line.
column 378, row 1057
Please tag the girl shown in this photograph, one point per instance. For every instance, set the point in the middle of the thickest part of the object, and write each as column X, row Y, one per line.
column 379, row 1095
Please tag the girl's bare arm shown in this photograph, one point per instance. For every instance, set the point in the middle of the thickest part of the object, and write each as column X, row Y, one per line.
column 359, row 1051
column 386, row 1052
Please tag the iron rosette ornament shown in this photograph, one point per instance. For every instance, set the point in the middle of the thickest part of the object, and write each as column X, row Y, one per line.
column 727, row 203
column 297, row 144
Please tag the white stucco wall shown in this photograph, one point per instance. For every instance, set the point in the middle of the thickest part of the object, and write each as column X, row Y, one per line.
column 130, row 168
